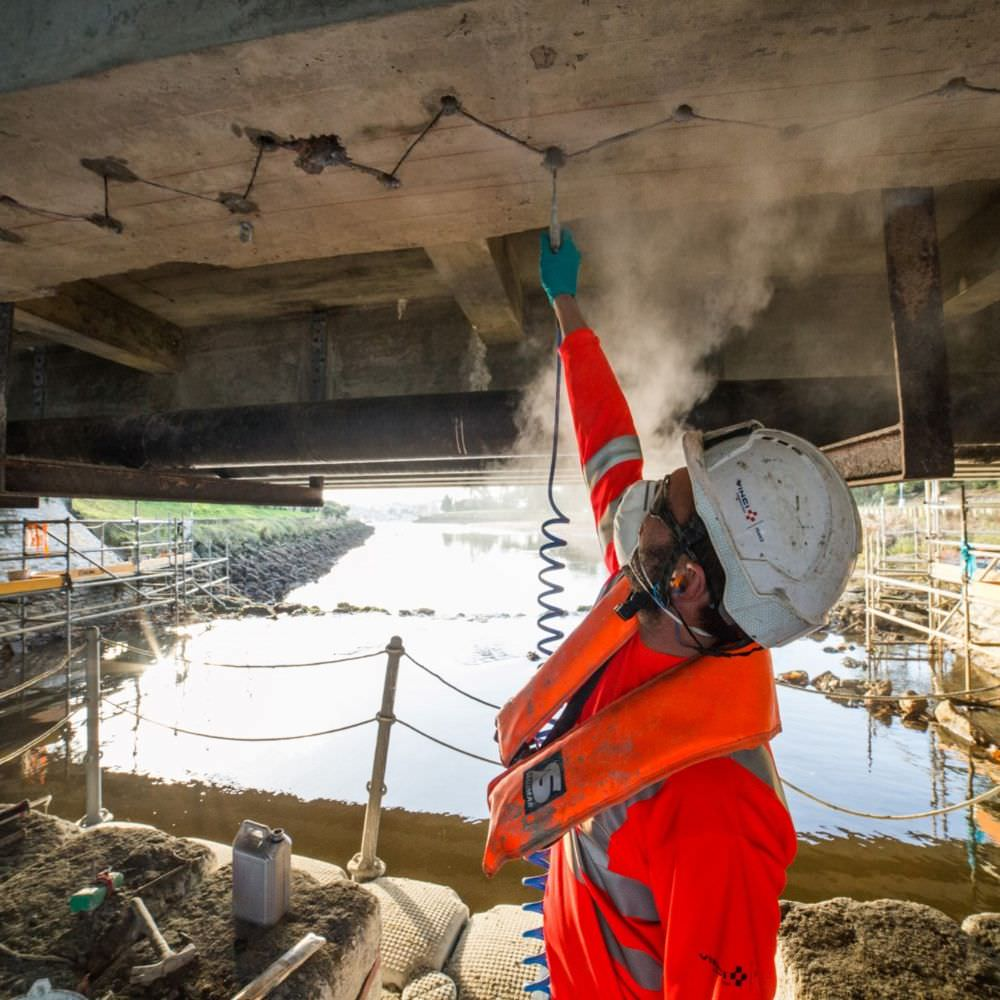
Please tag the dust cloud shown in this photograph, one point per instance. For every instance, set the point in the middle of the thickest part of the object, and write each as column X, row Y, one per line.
column 666, row 291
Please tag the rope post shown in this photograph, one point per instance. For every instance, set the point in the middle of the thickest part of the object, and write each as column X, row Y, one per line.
column 95, row 814
column 366, row 865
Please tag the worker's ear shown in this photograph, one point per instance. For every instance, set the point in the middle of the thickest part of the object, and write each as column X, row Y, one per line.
column 689, row 585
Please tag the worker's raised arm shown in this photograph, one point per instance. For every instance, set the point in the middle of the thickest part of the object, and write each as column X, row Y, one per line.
column 609, row 448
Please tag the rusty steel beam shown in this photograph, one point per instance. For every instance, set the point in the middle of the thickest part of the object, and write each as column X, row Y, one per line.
column 921, row 445
column 875, row 457
column 70, row 479
column 474, row 424
column 15, row 501
column 914, row 271
column 6, row 333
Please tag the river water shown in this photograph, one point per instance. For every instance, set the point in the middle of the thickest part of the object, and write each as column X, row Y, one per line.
column 463, row 600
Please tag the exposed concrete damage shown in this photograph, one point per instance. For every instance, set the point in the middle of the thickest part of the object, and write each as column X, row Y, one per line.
column 323, row 205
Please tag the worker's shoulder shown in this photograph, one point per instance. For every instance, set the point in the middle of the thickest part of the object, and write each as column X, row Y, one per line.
column 715, row 789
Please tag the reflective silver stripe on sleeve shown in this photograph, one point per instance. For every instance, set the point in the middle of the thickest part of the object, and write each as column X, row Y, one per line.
column 606, row 525
column 587, row 854
column 620, row 449
column 760, row 763
column 640, row 965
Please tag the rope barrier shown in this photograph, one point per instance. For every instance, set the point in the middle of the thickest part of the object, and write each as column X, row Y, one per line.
column 901, row 816
column 927, row 695
column 32, row 681
column 449, row 746
column 314, row 663
column 260, row 666
column 465, row 694
column 234, row 739
column 7, row 758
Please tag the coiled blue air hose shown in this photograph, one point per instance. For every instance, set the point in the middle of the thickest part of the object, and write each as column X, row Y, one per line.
column 545, row 646
column 552, row 541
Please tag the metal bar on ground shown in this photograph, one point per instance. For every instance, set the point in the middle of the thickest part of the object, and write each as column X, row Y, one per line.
column 366, row 865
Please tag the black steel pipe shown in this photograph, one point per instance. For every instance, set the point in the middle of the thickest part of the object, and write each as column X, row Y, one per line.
column 473, row 424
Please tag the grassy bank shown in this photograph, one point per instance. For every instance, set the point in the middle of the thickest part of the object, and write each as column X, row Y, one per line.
column 213, row 522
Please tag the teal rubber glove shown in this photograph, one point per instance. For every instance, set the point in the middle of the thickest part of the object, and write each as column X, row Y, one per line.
column 559, row 269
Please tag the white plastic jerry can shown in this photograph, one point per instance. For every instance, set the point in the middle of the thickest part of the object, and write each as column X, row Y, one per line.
column 262, row 873
column 42, row 989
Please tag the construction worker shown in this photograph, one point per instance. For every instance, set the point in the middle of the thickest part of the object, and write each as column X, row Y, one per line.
column 655, row 787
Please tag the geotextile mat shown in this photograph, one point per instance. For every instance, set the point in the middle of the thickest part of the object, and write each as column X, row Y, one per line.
column 41, row 938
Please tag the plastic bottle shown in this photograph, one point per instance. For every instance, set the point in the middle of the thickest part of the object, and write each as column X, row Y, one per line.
column 262, row 873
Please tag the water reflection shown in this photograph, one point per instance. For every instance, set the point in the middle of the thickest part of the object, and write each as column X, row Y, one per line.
column 480, row 588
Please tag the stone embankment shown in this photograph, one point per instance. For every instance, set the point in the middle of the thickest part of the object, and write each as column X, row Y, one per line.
column 266, row 569
column 400, row 938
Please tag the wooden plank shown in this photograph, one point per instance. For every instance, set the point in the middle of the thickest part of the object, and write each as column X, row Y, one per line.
column 481, row 276
column 983, row 591
column 970, row 264
column 91, row 319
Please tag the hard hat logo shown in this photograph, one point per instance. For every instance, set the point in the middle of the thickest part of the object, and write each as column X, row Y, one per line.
column 744, row 502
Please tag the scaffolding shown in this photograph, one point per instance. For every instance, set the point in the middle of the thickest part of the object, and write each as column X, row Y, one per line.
column 62, row 573
column 934, row 569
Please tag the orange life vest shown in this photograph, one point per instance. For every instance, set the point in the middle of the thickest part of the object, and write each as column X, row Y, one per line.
column 709, row 707
column 590, row 644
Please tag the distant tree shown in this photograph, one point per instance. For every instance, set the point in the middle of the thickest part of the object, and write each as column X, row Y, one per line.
column 447, row 504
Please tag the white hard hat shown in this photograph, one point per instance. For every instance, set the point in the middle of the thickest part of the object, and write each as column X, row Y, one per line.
column 782, row 522
column 632, row 510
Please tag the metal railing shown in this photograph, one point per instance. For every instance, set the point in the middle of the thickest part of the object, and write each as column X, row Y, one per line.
column 56, row 580
column 928, row 568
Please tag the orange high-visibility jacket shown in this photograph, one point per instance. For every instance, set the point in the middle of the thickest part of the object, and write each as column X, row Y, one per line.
column 673, row 893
